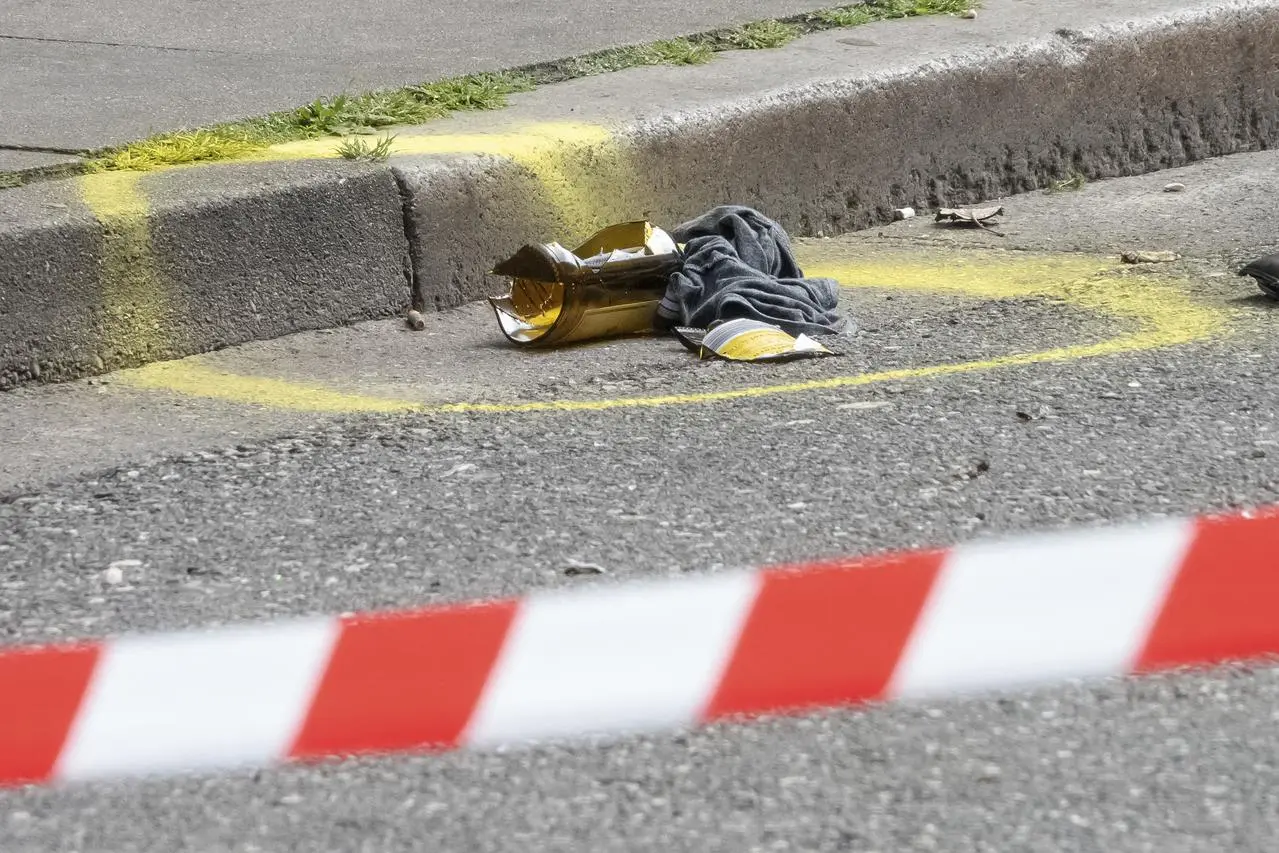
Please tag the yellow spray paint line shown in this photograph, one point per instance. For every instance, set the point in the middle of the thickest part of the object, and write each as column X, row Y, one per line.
column 520, row 142
column 190, row 378
column 578, row 166
column 1111, row 347
column 1160, row 309
column 136, row 298
column 1164, row 315
column 193, row 379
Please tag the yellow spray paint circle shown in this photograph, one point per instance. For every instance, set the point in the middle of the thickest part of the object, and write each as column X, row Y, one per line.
column 1157, row 313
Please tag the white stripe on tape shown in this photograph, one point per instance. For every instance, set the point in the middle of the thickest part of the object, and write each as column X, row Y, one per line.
column 638, row 658
column 180, row 702
column 1041, row 609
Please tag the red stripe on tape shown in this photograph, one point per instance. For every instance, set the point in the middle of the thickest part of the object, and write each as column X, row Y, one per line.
column 404, row 681
column 825, row 635
column 40, row 694
column 1224, row 603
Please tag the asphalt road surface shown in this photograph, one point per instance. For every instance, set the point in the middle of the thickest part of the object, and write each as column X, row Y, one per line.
column 245, row 498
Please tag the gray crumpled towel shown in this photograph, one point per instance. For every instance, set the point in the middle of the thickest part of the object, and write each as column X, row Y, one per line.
column 738, row 263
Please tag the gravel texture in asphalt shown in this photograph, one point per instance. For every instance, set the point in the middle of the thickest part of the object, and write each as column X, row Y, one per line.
column 332, row 512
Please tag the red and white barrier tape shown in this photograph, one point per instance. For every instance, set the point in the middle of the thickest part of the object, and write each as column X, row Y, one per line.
column 646, row 656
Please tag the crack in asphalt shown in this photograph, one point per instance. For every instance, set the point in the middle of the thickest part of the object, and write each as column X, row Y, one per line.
column 170, row 48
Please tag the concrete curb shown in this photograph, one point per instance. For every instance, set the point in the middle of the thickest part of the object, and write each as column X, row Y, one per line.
column 115, row 270
column 828, row 136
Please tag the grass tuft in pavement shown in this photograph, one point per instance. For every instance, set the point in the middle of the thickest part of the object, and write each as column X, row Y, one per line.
column 343, row 115
column 347, row 114
column 845, row 16
column 358, row 148
column 760, row 35
column 680, row 51
column 175, row 149
column 888, row 10
column 1075, row 181
column 473, row 92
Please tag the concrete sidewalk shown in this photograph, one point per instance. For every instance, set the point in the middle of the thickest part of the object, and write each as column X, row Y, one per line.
column 828, row 135
column 75, row 80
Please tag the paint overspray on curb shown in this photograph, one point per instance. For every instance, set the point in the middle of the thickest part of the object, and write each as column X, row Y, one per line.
column 136, row 300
